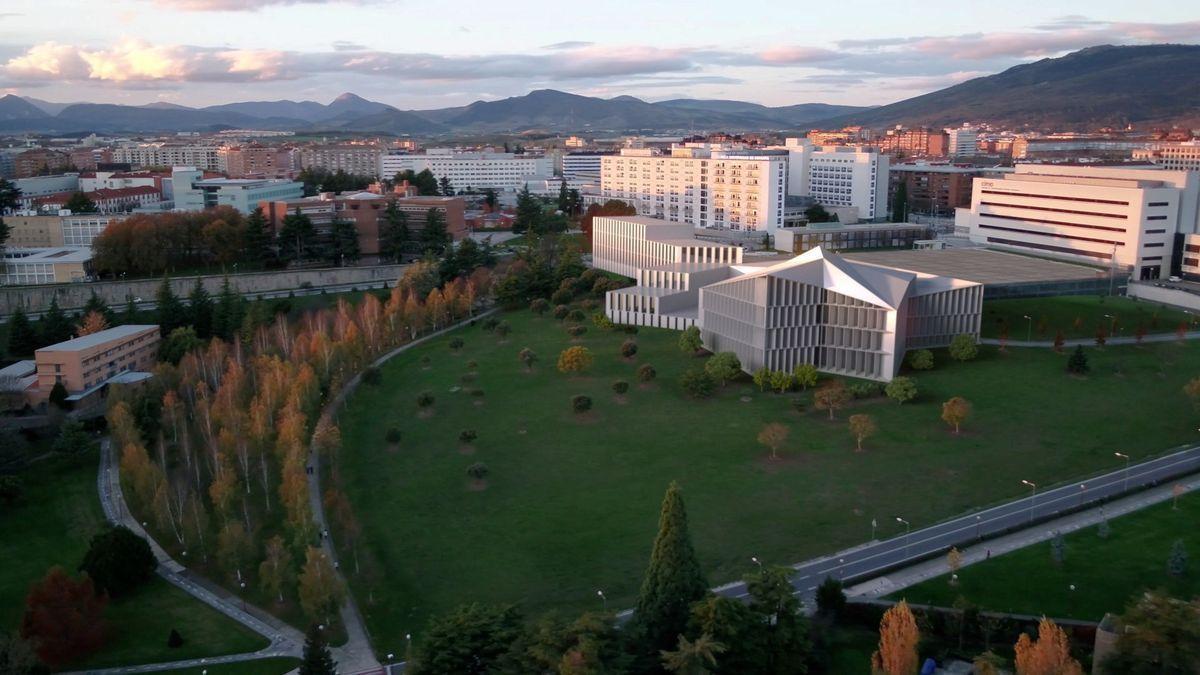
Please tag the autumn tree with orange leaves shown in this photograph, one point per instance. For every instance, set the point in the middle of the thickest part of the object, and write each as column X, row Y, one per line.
column 898, row 638
column 1050, row 654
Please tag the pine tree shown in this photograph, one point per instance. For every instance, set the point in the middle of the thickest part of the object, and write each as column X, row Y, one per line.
column 672, row 583
column 343, row 246
column 445, row 187
column 900, row 203
column 229, row 311
column 5, row 231
column 130, row 315
column 200, row 310
column 22, row 335
column 256, row 239
column 171, row 312
column 54, row 325
column 435, row 238
column 1178, row 560
column 97, row 304
column 564, row 197
column 1078, row 363
column 529, row 214
column 396, row 236
column 317, row 658
column 296, row 236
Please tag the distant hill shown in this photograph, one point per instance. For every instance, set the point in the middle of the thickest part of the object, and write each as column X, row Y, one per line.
column 14, row 107
column 792, row 115
column 390, row 121
column 1097, row 86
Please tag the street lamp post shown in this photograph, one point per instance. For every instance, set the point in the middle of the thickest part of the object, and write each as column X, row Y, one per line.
column 1032, row 496
column 603, row 599
column 1028, row 327
column 1082, row 491
column 1125, row 482
column 907, row 530
column 978, row 527
column 756, row 561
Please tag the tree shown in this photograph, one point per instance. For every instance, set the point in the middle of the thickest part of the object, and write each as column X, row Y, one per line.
column 527, row 357
column 574, row 360
column 1077, row 364
column 275, row 572
column 762, row 378
column 564, row 197
column 23, row 338
column 1050, row 654
column 18, row 657
column 79, row 202
column 5, row 232
column 395, row 237
column 529, row 213
column 692, row 657
column 832, row 396
column 445, row 187
column 816, row 214
column 781, row 380
column 689, row 340
column 831, row 598
column 901, row 389
column 1178, row 559
column 234, row 547
column 723, row 367
column 472, row 640
column 171, row 312
column 953, row 561
column 343, row 243
column 478, row 471
column 963, row 347
column 921, row 359
column 861, row 427
column 503, row 329
column 296, row 236
column 697, row 383
column 581, row 403
column 1059, row 341
column 10, row 196
column 900, row 202
column 64, row 618
column 489, row 198
column 72, row 439
column 317, row 659
column 92, row 322
column 1161, row 635
column 54, row 326
column 773, row 435
column 805, row 375
column 539, row 306
column 434, row 237
column 58, row 396
column 229, row 312
column 956, row 411
column 898, row 638
column 256, row 240
column 673, row 580
column 782, row 632
column 200, row 310
column 118, row 561
column 96, row 304
column 321, row 590
column 178, row 344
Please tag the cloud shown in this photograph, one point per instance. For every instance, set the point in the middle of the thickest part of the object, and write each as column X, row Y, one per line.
column 241, row 5
column 570, row 44
column 347, row 46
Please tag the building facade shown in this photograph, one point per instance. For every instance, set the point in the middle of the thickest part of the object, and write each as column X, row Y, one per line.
column 1109, row 216
column 839, row 176
column 207, row 157
column 192, row 192
column 255, row 160
column 962, row 142
column 40, row 162
column 56, row 265
column 935, row 189
column 583, row 167
column 843, row 316
column 1182, row 155
column 357, row 160
column 475, row 170
column 701, row 185
column 840, row 237
column 86, row 364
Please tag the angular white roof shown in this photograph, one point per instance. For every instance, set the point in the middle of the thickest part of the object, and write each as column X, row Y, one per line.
column 881, row 286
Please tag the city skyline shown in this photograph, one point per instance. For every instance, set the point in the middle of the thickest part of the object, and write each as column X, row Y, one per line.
column 135, row 52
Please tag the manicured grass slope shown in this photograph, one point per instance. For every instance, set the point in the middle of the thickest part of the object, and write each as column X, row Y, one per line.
column 52, row 526
column 1107, row 573
column 572, row 505
column 1057, row 313
column 257, row 667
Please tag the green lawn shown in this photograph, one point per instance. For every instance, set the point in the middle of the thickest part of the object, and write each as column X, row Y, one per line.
column 1106, row 573
column 571, row 506
column 258, row 667
column 850, row 651
column 1077, row 316
column 52, row 526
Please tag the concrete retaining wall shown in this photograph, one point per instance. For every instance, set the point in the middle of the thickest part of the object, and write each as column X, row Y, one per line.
column 117, row 293
column 1167, row 296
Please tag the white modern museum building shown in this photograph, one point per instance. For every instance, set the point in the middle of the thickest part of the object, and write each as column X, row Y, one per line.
column 846, row 317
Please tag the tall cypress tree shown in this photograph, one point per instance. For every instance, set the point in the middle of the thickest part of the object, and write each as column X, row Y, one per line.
column 317, row 658
column 54, row 325
column 435, row 238
column 900, row 203
column 229, row 311
column 131, row 315
column 200, row 310
column 23, row 337
column 171, row 312
column 672, row 583
column 256, row 239
column 395, row 235
column 564, row 197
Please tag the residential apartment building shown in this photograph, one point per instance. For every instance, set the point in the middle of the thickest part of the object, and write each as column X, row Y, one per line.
column 87, row 159
column 845, row 317
column 476, row 170
column 583, row 167
column 1182, row 155
column 255, row 160
column 193, row 192
column 87, row 364
column 962, row 142
column 90, row 181
column 207, row 157
column 919, row 142
column 700, row 185
column 844, row 136
column 358, row 160
column 839, row 176
column 40, row 162
column 1104, row 215
column 936, row 189
column 56, row 265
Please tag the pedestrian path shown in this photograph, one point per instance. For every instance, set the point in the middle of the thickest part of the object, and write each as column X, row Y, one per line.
column 1091, row 342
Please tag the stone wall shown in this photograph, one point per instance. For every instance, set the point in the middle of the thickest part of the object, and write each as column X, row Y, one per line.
column 117, row 293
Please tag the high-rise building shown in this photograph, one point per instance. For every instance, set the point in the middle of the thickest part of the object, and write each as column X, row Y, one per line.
column 207, row 157
column 255, row 160
column 919, row 142
column 476, row 170
column 582, row 167
column 1104, row 215
column 962, row 142
column 837, row 175
column 357, row 160
column 701, row 185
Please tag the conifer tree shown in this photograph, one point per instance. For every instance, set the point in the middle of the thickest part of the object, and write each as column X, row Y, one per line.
column 97, row 304
column 256, row 239
column 672, row 583
column 317, row 658
column 54, row 325
column 22, row 336
column 171, row 312
column 200, row 310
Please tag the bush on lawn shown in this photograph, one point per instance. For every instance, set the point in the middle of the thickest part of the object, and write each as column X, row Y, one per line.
column 425, row 399
column 620, row 387
column 697, row 383
column 646, row 372
column 581, row 403
column 118, row 561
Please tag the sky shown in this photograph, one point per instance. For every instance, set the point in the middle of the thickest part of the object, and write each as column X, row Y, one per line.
column 420, row 55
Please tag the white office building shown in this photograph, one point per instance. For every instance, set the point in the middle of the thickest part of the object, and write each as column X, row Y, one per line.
column 195, row 193
column 81, row 229
column 962, row 142
column 700, row 185
column 839, row 175
column 207, row 157
column 1103, row 215
column 477, row 170
column 357, row 160
column 843, row 316
column 582, row 167
column 1183, row 155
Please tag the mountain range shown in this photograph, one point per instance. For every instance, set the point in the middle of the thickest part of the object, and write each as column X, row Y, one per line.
column 1097, row 86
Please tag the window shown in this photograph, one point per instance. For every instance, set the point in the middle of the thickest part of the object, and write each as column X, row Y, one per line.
column 1158, row 204
column 1153, row 245
column 1156, row 217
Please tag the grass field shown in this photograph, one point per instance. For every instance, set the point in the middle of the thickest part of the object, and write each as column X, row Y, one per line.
column 571, row 504
column 258, row 667
column 1106, row 573
column 52, row 526
column 1077, row 316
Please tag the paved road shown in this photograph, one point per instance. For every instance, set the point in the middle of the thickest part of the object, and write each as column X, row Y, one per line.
column 876, row 558
column 1091, row 342
column 284, row 640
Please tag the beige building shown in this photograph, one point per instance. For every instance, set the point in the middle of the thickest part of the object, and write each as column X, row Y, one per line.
column 58, row 265
column 86, row 364
column 34, row 231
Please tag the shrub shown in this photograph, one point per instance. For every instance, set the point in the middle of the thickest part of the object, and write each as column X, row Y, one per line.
column 478, row 471
column 425, row 361
column 425, row 399
column 646, row 372
column 576, row 316
column 489, row 324
column 620, row 386
column 539, row 306
column 392, row 435
column 561, row 312
column 466, row 378
column 831, row 599
column 467, row 436
column 174, row 640
column 562, row 296
column 963, row 347
column 574, row 360
column 599, row 320
column 118, row 561
column 697, row 383
column 922, row 359
column 865, row 389
column 527, row 357
column 476, row 392
column 372, row 376
column 629, row 348
column 1077, row 364
column 723, row 367
column 576, row 331
column 581, row 403
column 503, row 329
column 456, row 343
column 72, row 439
column 901, row 389
column 805, row 375
column 472, row 364
column 689, row 340
column 589, row 304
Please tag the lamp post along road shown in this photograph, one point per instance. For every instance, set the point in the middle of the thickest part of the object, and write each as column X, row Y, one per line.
column 1032, row 496
column 1028, row 328
column 1125, row 483
column 907, row 529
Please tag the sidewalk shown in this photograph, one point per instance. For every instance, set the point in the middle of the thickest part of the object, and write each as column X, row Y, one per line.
column 1091, row 342
column 914, row 574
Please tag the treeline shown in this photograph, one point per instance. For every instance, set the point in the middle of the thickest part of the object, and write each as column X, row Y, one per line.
column 551, row 269
column 214, row 450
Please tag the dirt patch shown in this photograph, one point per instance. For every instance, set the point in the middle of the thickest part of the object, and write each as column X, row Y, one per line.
column 425, row 413
column 466, row 449
column 784, row 462
column 477, row 485
column 589, row 417
column 620, row 400
column 393, row 448
column 648, row 386
column 746, row 399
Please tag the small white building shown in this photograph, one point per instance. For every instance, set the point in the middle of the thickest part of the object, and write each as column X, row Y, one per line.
column 193, row 192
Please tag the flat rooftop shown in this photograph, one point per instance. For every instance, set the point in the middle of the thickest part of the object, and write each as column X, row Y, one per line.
column 108, row 335
column 983, row 266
